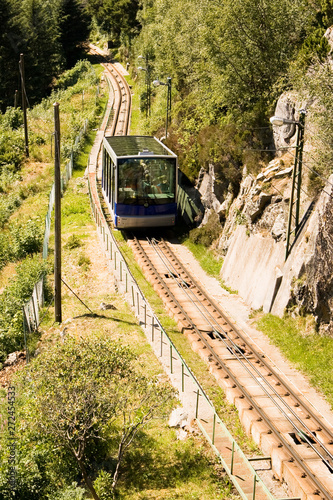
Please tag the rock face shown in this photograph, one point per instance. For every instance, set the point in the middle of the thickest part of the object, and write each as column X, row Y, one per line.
column 253, row 237
column 307, row 283
column 253, row 244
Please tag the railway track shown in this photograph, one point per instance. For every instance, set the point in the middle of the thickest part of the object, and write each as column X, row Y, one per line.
column 298, row 435
column 118, row 121
column 287, row 428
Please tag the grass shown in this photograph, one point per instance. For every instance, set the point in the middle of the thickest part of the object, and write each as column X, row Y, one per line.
column 209, row 263
column 304, row 347
column 136, row 126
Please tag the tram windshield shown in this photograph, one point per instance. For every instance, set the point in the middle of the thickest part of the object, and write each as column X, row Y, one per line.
column 146, row 180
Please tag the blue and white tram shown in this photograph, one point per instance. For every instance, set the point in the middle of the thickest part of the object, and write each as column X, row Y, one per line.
column 139, row 181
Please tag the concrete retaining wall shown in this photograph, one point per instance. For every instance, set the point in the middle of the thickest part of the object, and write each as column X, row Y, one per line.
column 253, row 266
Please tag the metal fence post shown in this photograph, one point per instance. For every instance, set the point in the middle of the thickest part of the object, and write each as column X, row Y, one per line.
column 197, row 405
column 171, row 367
column 232, row 458
column 214, row 424
column 254, row 487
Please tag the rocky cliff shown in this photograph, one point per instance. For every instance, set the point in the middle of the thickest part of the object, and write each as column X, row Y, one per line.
column 253, row 237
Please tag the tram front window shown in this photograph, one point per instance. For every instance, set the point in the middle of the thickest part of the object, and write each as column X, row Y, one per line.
column 147, row 180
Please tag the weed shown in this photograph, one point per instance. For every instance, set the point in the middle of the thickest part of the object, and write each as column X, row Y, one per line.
column 84, row 262
column 73, row 242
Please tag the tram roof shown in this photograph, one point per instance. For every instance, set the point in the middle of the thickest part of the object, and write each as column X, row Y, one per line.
column 134, row 145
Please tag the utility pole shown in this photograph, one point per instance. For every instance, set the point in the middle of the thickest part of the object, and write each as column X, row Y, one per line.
column 295, row 196
column 24, row 105
column 57, row 217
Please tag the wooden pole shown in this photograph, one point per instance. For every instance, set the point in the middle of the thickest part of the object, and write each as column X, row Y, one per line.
column 57, row 217
column 24, row 105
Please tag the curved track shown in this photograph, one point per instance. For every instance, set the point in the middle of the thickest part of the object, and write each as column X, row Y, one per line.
column 296, row 430
column 118, row 121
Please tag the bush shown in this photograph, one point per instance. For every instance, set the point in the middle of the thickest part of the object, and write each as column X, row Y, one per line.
column 82, row 70
column 8, row 205
column 103, row 485
column 13, row 118
column 26, row 238
column 11, row 149
column 12, row 300
column 73, row 492
column 208, row 233
column 73, row 242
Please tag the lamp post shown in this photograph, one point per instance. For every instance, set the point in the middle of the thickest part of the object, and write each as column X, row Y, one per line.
column 297, row 173
column 148, row 89
column 157, row 83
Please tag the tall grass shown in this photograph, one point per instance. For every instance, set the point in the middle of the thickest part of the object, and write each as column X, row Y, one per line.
column 304, row 347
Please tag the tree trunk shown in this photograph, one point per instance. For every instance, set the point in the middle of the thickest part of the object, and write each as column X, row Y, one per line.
column 116, row 472
column 87, row 480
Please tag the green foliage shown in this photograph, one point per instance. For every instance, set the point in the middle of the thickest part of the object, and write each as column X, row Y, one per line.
column 118, row 18
column 73, row 242
column 11, row 150
column 26, row 238
column 315, row 86
column 13, row 118
column 11, row 301
column 8, row 205
column 103, row 485
column 72, row 492
column 229, row 62
column 208, row 233
column 301, row 344
column 82, row 71
column 84, row 262
column 78, row 393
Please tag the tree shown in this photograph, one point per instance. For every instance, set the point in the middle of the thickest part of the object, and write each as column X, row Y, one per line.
column 80, row 392
column 117, row 17
column 74, row 29
column 38, row 25
column 9, row 56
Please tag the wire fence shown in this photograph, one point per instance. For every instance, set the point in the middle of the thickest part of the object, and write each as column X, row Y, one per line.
column 32, row 308
column 31, row 312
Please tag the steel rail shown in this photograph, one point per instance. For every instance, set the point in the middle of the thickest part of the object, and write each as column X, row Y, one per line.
column 239, row 355
column 263, row 416
column 256, row 354
column 115, row 75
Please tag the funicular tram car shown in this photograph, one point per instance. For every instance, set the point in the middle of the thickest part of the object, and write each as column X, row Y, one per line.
column 139, row 181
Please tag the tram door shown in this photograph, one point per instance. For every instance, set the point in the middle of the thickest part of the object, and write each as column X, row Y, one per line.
column 112, row 185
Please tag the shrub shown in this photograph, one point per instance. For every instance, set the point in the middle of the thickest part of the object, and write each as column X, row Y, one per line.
column 82, row 70
column 73, row 492
column 73, row 242
column 11, row 149
column 103, row 485
column 8, row 205
column 12, row 300
column 26, row 238
column 208, row 233
column 13, row 118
